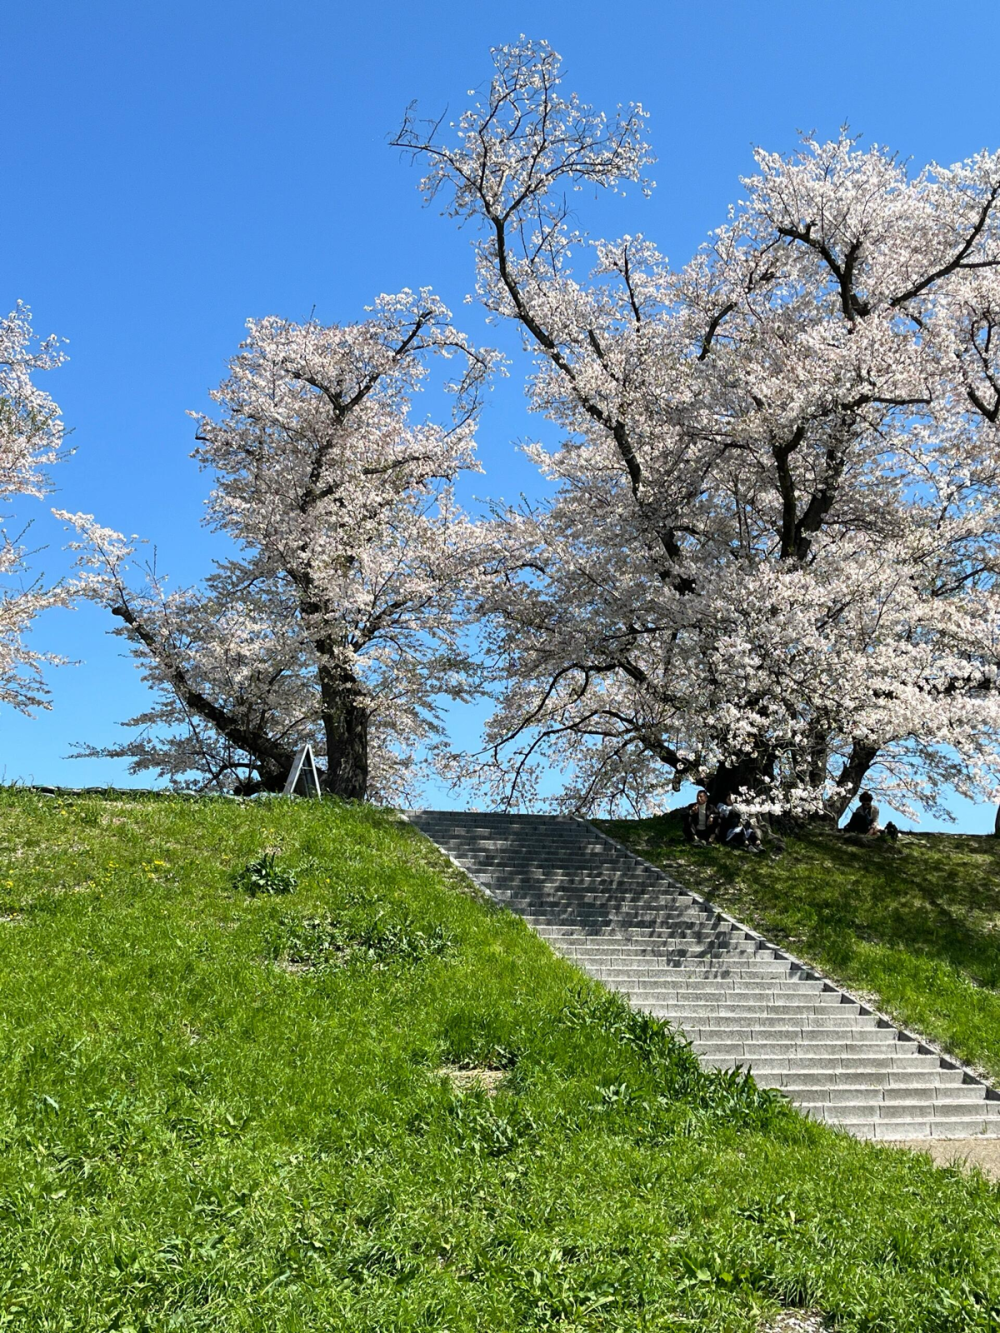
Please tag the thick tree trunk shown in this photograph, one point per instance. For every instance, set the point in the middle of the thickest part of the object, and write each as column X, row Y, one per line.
column 851, row 777
column 345, row 723
column 748, row 773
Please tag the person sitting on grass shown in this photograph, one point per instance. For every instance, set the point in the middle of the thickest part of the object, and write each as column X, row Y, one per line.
column 700, row 819
column 734, row 831
column 865, row 818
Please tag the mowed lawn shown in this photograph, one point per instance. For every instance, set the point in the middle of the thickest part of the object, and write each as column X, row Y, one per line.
column 234, row 1112
column 914, row 927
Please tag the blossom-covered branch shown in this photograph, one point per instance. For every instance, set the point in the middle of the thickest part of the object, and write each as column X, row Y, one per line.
column 31, row 435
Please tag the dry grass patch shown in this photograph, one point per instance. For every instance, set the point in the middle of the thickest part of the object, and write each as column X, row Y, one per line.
column 488, row 1080
column 795, row 1321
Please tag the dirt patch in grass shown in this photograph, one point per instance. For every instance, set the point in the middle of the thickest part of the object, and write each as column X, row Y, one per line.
column 292, row 967
column 795, row 1321
column 466, row 1079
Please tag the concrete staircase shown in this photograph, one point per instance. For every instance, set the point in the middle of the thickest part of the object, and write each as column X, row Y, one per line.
column 737, row 999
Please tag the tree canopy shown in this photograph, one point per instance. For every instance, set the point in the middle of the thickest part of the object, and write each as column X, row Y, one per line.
column 337, row 621
column 771, row 559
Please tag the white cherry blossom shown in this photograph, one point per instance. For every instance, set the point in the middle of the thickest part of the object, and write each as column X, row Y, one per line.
column 31, row 435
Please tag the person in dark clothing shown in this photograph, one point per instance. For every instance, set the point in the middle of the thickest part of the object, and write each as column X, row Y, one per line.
column 700, row 819
column 734, row 831
column 865, row 818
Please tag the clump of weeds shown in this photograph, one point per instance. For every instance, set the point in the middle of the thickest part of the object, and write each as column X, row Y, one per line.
column 263, row 875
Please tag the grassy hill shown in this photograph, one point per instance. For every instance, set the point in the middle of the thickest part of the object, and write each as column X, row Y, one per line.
column 234, row 1110
column 914, row 926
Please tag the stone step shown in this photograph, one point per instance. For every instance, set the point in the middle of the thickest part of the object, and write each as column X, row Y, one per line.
column 505, row 834
column 664, row 952
column 561, row 857
column 924, row 1080
column 667, row 943
column 792, row 995
column 691, row 952
column 929, row 1127
column 729, row 1025
column 944, row 1095
column 702, row 965
column 760, row 1046
column 612, row 954
column 638, row 924
column 686, row 918
column 659, row 942
column 679, row 920
column 659, row 987
column 623, row 975
column 569, row 880
column 556, row 929
column 685, row 986
column 585, row 920
column 710, row 935
column 556, row 866
column 762, row 1067
column 558, row 859
column 787, row 1011
column 597, row 898
column 602, row 899
column 606, row 942
column 922, row 1110
column 651, row 962
column 713, row 969
column 699, row 973
column 682, row 919
column 499, row 819
column 596, row 937
column 669, row 984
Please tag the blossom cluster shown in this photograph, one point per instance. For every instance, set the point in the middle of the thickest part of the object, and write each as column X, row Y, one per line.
column 31, row 436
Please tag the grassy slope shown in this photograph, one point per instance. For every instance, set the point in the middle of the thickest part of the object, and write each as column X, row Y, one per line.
column 916, row 927
column 197, row 1138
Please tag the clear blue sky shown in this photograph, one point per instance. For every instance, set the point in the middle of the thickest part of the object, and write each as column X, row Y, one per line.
column 171, row 169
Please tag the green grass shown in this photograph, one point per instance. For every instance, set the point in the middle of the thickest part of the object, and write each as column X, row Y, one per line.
column 915, row 927
column 225, row 1110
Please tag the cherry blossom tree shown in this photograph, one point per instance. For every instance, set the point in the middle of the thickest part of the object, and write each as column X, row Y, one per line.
column 336, row 622
column 31, row 434
column 770, row 563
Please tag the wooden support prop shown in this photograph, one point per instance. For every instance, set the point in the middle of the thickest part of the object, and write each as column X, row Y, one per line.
column 303, row 779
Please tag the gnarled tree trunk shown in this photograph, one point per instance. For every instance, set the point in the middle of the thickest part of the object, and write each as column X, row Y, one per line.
column 345, row 724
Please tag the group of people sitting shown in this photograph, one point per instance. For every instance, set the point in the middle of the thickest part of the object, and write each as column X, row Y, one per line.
column 723, row 823
column 706, row 822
